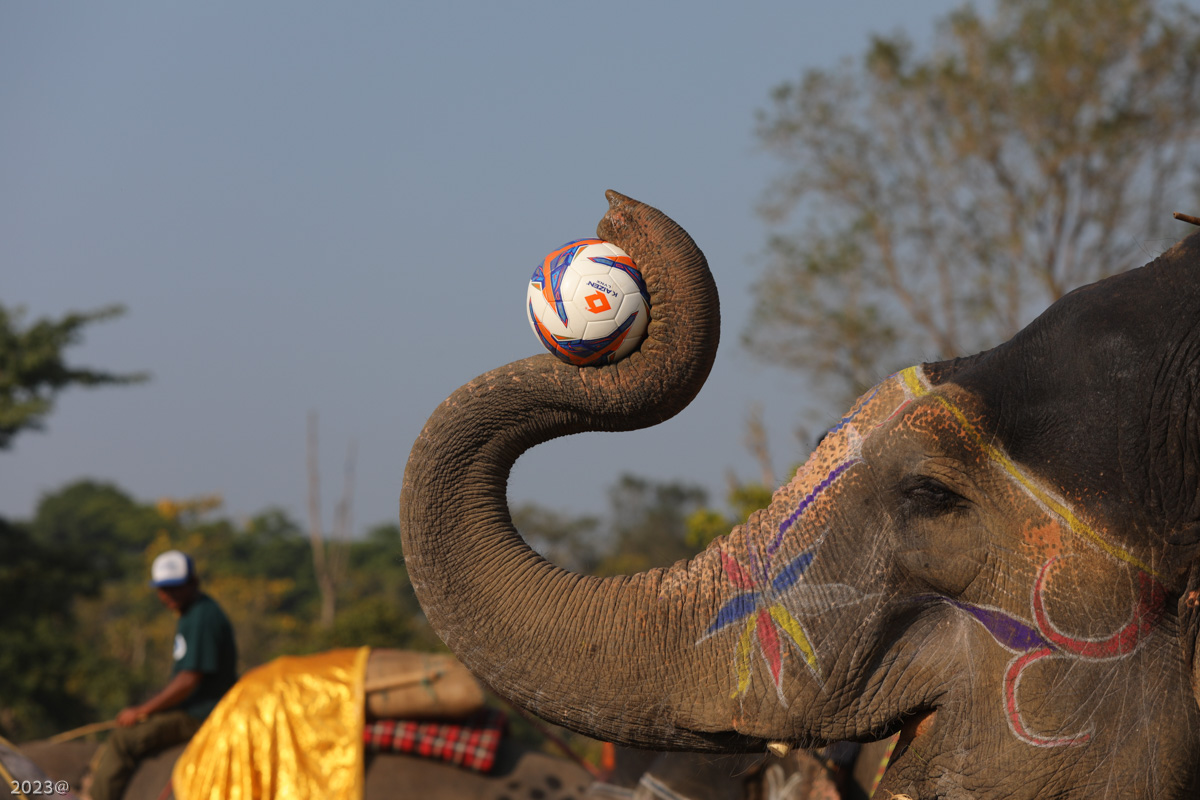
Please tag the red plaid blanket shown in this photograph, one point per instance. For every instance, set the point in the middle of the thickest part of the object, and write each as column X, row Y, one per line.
column 470, row 742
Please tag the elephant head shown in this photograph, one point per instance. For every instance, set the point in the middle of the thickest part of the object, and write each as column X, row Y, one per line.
column 996, row 555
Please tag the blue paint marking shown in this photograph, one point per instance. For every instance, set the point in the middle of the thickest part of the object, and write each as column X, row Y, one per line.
column 807, row 501
column 792, row 572
column 740, row 607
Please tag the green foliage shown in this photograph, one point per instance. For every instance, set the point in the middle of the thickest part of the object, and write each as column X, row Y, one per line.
column 929, row 204
column 746, row 498
column 377, row 607
column 82, row 634
column 570, row 542
column 67, row 614
column 37, row 651
column 653, row 524
column 98, row 530
column 707, row 524
column 33, row 369
column 648, row 526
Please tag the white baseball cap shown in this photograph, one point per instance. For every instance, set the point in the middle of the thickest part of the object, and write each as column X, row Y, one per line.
column 172, row 568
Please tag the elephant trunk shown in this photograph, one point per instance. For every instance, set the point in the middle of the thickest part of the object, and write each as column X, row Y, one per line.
column 616, row 655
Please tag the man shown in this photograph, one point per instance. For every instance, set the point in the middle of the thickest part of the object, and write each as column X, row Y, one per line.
column 205, row 667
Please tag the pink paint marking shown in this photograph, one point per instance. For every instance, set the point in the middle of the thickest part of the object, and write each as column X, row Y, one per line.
column 894, row 414
column 768, row 640
column 1012, row 679
column 1151, row 598
column 733, row 570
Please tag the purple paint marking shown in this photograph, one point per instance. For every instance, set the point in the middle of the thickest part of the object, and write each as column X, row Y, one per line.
column 1008, row 631
column 758, row 570
column 807, row 501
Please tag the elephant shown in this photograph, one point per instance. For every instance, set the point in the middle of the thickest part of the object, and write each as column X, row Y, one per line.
column 520, row 774
column 996, row 556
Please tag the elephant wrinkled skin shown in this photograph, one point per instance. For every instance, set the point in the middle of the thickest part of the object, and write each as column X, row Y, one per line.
column 996, row 555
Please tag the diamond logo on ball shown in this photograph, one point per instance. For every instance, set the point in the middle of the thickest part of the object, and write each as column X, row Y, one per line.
column 597, row 303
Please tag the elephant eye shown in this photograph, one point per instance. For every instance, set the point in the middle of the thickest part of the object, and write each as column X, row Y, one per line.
column 928, row 496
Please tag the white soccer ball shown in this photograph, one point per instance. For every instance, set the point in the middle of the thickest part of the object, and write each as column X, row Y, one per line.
column 588, row 304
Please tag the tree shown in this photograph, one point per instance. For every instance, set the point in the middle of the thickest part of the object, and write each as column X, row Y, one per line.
column 37, row 652
column 568, row 541
column 377, row 605
column 928, row 205
column 82, row 634
column 97, row 530
column 648, row 524
column 329, row 555
column 33, row 370
column 63, row 664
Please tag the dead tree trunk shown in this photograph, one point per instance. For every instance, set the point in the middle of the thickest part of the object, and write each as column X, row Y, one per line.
column 329, row 557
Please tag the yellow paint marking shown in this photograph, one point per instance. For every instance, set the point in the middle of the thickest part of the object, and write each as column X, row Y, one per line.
column 913, row 381
column 743, row 657
column 793, row 629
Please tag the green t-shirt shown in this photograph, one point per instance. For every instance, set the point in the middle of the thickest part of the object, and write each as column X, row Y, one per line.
column 204, row 643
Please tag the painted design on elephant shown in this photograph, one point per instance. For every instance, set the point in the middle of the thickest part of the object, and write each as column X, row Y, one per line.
column 792, row 518
column 1032, row 643
column 767, row 623
column 765, row 605
column 766, row 601
column 914, row 379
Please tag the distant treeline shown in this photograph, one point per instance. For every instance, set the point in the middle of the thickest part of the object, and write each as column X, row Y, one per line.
column 83, row 635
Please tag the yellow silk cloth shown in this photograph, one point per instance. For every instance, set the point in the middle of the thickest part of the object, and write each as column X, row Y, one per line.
column 292, row 728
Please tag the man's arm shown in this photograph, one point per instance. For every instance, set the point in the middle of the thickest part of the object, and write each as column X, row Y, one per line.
column 172, row 695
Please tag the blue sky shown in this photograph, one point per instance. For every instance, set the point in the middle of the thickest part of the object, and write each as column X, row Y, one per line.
column 336, row 207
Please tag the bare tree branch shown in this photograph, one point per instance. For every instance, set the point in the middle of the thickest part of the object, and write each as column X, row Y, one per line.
column 931, row 204
column 321, row 561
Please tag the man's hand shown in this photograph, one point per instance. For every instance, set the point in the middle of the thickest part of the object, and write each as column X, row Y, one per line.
column 175, row 692
column 130, row 716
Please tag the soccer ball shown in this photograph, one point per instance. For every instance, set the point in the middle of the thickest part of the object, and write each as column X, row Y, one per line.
column 588, row 303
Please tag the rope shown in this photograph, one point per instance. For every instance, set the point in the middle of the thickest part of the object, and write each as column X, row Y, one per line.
column 398, row 681
column 95, row 727
column 75, row 733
